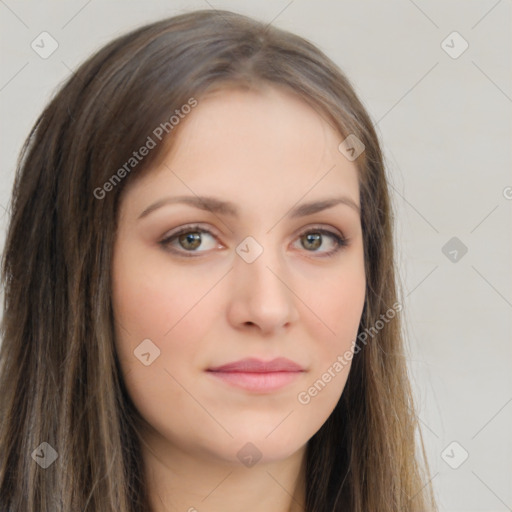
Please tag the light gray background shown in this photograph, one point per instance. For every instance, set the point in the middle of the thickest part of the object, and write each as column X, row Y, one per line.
column 445, row 125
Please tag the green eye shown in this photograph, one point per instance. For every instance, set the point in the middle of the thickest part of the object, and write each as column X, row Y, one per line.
column 189, row 239
column 313, row 239
column 192, row 240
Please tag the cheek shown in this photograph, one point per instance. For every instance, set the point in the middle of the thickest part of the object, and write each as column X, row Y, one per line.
column 171, row 308
column 150, row 299
column 340, row 304
column 336, row 300
column 337, row 305
column 164, row 307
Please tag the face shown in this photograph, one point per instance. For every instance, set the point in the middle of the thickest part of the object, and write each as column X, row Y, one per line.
column 259, row 275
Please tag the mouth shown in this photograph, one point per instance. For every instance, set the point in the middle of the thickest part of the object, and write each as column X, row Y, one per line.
column 258, row 376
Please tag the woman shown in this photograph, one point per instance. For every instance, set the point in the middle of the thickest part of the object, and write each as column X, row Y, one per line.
column 201, row 309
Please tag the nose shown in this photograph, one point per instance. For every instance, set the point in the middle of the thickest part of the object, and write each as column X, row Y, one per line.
column 262, row 295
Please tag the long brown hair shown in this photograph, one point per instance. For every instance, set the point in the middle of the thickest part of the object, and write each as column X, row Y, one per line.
column 60, row 380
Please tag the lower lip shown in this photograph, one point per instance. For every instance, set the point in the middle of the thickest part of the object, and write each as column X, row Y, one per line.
column 263, row 382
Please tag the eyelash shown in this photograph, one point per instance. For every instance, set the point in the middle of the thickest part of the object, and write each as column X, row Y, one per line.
column 165, row 243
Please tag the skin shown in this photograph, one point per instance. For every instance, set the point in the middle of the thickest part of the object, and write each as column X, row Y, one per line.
column 266, row 151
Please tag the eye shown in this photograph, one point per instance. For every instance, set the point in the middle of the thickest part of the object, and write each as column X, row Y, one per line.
column 189, row 239
column 314, row 238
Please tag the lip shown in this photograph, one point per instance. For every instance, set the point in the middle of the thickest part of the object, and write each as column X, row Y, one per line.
column 253, row 365
column 258, row 376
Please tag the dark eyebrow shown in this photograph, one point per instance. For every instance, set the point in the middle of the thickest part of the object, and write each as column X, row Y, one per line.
column 226, row 208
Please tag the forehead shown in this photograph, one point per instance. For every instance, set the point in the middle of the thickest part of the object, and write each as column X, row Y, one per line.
column 262, row 145
column 271, row 118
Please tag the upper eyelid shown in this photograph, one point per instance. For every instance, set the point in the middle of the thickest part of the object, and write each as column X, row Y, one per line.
column 189, row 228
column 340, row 240
column 336, row 235
column 197, row 227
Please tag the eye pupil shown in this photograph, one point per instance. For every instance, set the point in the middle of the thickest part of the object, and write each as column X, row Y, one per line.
column 192, row 238
column 315, row 239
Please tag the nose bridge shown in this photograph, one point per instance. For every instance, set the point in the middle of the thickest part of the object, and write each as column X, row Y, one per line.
column 261, row 291
column 258, row 263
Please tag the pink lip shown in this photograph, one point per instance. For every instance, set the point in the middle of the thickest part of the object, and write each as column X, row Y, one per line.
column 256, row 375
column 252, row 365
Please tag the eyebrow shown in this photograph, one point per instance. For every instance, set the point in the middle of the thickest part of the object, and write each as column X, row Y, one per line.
column 220, row 207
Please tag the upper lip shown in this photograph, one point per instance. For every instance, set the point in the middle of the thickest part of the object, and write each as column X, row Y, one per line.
column 253, row 365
